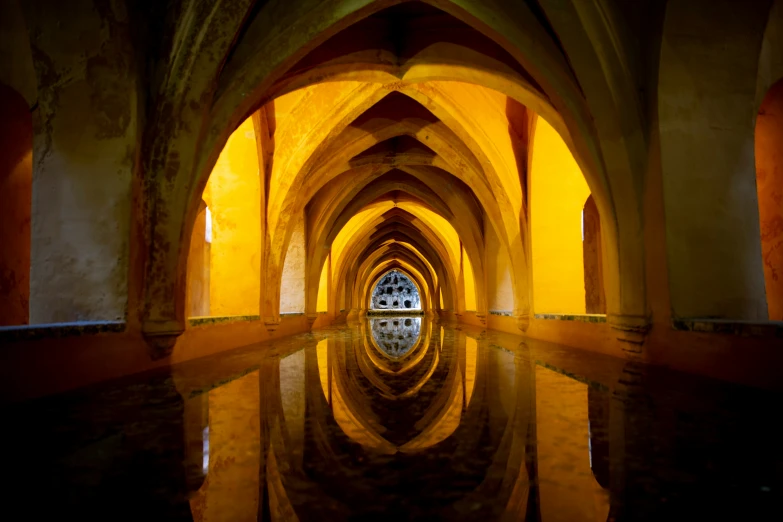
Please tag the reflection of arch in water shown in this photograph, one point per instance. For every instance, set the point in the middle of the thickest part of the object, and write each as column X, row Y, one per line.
column 500, row 407
column 395, row 336
column 395, row 291
column 421, row 361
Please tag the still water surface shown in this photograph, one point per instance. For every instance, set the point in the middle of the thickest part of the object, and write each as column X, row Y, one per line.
column 400, row 418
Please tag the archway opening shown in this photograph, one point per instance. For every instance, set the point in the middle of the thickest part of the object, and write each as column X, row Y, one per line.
column 565, row 231
column 224, row 264
column 769, row 184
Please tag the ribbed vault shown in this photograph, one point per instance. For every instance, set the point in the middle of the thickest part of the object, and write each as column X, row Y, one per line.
column 400, row 134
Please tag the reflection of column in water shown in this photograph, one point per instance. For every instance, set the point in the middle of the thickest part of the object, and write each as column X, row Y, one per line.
column 231, row 492
column 567, row 487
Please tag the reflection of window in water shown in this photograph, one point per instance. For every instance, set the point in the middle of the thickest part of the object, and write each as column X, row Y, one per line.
column 395, row 291
column 396, row 335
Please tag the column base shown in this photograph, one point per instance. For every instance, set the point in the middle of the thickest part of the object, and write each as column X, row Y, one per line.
column 271, row 323
column 161, row 336
column 523, row 322
column 631, row 331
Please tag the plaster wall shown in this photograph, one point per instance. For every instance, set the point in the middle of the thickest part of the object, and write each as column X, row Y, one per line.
column 292, row 289
column 769, row 183
column 85, row 130
column 234, row 201
column 499, row 285
column 706, row 104
column 16, row 172
column 557, row 194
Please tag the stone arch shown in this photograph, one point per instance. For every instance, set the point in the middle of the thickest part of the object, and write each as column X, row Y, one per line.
column 509, row 26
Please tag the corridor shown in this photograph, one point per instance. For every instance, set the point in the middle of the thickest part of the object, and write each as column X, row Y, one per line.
column 400, row 418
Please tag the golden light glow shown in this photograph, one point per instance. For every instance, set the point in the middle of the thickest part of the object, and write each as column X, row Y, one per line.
column 558, row 194
column 233, row 197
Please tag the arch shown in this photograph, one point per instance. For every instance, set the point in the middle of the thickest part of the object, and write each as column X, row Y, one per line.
column 511, row 28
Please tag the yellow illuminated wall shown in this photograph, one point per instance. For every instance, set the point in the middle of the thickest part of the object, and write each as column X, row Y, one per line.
column 470, row 283
column 292, row 289
column 557, row 192
column 323, row 288
column 233, row 197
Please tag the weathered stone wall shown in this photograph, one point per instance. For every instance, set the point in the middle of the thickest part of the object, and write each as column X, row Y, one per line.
column 84, row 149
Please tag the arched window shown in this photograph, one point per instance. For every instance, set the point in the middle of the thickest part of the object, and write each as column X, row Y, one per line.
column 769, row 184
column 395, row 291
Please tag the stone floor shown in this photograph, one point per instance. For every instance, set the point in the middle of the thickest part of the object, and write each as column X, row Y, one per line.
column 460, row 425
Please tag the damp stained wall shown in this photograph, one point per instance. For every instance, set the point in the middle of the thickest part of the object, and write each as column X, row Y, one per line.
column 86, row 132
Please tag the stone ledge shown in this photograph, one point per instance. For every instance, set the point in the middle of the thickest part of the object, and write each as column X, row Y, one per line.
column 502, row 313
column 584, row 318
column 54, row 330
column 593, row 384
column 768, row 329
column 292, row 314
column 203, row 321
